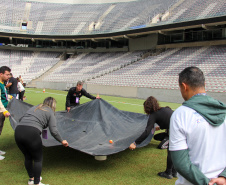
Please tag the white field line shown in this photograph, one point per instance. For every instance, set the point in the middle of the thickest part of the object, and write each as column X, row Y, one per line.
column 85, row 97
column 45, row 92
column 125, row 103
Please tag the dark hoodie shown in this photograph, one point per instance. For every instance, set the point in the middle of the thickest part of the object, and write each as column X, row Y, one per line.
column 213, row 111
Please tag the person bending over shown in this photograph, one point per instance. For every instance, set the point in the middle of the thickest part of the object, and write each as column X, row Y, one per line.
column 75, row 93
column 27, row 136
column 161, row 116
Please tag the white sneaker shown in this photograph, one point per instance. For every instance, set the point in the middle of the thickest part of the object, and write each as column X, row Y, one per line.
column 32, row 181
column 2, row 157
column 2, row 152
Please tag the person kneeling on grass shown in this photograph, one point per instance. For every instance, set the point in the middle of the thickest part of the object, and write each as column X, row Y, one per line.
column 27, row 136
column 161, row 116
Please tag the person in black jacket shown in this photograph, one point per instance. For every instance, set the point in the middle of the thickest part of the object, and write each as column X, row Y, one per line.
column 75, row 93
column 161, row 116
column 12, row 85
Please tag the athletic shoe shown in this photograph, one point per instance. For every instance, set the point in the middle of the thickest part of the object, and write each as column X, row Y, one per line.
column 32, row 181
column 2, row 157
column 174, row 174
column 164, row 144
column 2, row 152
column 165, row 175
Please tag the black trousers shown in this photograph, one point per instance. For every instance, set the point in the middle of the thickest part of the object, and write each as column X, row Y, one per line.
column 21, row 95
column 29, row 142
column 169, row 164
column 2, row 119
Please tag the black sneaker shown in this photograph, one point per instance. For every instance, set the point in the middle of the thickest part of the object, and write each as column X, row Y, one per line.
column 165, row 175
column 174, row 174
column 164, row 143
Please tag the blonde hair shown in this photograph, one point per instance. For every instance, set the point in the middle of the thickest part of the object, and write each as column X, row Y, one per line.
column 50, row 102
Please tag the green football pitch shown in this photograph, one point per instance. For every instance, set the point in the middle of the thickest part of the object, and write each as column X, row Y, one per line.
column 65, row 166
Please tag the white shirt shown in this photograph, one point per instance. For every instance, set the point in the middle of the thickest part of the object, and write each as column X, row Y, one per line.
column 20, row 87
column 206, row 143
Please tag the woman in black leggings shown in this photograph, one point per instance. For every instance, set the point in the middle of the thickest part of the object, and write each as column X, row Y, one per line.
column 161, row 116
column 27, row 136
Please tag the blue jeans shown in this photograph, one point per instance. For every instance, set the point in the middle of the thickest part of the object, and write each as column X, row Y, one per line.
column 14, row 95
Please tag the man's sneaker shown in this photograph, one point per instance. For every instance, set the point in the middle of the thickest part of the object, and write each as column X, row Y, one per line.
column 2, row 157
column 2, row 152
column 165, row 175
column 32, row 181
column 174, row 174
column 164, row 143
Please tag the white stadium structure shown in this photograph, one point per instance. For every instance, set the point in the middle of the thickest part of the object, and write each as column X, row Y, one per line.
column 130, row 48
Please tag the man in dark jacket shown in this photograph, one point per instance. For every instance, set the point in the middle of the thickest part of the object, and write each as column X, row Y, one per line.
column 75, row 93
column 12, row 85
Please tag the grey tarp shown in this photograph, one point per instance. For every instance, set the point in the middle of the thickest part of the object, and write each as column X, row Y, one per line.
column 90, row 126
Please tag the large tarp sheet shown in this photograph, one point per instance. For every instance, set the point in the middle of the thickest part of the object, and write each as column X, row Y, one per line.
column 89, row 127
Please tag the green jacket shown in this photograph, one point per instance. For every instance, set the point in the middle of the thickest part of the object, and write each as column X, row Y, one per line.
column 214, row 112
column 4, row 98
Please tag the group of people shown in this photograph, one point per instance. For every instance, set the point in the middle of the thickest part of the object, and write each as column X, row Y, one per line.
column 8, row 89
column 15, row 87
column 33, row 122
column 196, row 130
column 197, row 149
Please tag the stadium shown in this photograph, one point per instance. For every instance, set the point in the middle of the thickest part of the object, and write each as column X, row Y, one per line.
column 129, row 49
column 123, row 48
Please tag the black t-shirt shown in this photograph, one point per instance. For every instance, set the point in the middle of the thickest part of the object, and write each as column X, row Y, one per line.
column 74, row 96
column 161, row 117
column 13, row 88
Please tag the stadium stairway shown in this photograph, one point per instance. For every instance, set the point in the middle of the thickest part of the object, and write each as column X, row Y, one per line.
column 101, row 18
column 40, row 78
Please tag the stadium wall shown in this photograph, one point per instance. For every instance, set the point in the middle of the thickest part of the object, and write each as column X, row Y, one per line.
column 224, row 33
column 66, row 50
column 143, row 43
column 164, row 95
column 192, row 44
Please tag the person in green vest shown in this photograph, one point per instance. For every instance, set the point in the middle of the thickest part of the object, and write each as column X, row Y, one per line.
column 197, row 133
column 4, row 76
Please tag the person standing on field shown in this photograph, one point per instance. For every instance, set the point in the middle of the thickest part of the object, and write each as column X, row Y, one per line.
column 21, row 90
column 12, row 85
column 4, row 76
column 197, row 133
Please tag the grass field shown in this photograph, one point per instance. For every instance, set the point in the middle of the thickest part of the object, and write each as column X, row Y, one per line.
column 66, row 166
